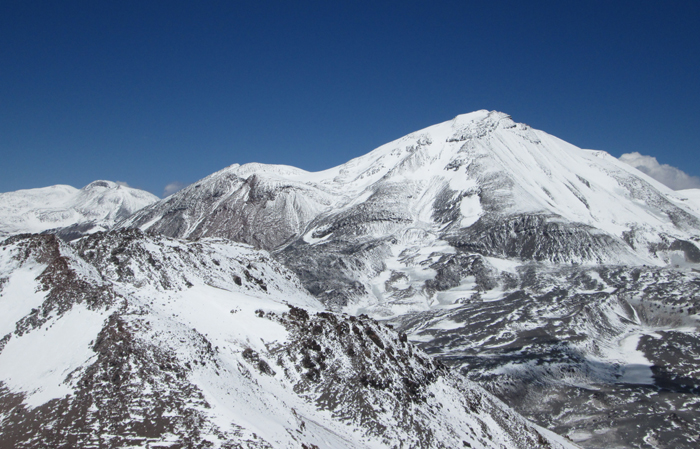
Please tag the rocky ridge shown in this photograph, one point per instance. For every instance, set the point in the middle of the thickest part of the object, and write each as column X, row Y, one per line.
column 128, row 339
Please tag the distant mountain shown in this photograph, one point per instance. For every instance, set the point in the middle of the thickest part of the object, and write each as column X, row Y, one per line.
column 69, row 211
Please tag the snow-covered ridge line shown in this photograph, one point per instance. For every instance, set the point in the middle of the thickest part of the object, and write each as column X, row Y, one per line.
column 490, row 165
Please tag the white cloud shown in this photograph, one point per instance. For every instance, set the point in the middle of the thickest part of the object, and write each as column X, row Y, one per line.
column 122, row 183
column 673, row 177
column 172, row 188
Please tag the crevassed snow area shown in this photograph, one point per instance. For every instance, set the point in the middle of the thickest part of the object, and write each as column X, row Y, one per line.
column 38, row 362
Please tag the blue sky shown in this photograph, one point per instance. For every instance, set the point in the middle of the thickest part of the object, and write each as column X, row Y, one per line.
column 153, row 92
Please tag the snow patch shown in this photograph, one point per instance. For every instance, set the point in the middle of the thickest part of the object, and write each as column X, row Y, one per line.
column 637, row 369
column 19, row 295
column 39, row 362
column 471, row 210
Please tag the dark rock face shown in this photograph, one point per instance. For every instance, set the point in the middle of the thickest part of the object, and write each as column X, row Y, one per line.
column 538, row 238
column 360, row 370
column 333, row 272
column 248, row 208
column 134, row 394
column 64, row 287
column 125, row 256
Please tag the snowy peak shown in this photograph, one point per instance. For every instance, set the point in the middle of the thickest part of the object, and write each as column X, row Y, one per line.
column 109, row 201
column 479, row 167
column 479, row 185
column 68, row 210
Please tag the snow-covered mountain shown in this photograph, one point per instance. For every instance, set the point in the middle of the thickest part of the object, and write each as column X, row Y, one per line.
column 480, row 183
column 558, row 278
column 129, row 340
column 561, row 280
column 71, row 211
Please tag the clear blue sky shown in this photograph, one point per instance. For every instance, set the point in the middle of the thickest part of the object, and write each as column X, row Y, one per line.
column 151, row 92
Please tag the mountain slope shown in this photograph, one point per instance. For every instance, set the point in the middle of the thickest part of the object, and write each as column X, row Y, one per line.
column 68, row 210
column 125, row 339
column 611, row 350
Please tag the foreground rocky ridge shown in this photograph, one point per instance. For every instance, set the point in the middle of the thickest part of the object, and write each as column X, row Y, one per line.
column 124, row 339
